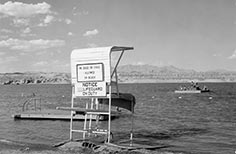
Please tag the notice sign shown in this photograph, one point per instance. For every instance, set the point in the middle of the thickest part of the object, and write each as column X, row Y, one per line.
column 88, row 89
column 90, row 72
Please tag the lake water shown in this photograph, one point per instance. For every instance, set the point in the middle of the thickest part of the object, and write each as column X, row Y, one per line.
column 189, row 123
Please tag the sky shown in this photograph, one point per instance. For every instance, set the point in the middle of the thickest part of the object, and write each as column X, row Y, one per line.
column 39, row 35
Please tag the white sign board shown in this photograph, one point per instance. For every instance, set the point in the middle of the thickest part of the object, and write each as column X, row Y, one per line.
column 88, row 89
column 90, row 72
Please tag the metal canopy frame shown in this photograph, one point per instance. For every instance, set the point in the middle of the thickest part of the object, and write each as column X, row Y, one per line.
column 94, row 56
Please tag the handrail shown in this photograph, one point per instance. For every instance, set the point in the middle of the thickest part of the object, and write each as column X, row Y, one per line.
column 34, row 100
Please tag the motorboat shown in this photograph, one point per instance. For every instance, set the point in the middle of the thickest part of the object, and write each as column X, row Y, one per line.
column 194, row 88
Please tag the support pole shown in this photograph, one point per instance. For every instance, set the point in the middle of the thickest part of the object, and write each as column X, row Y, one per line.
column 85, row 121
column 117, row 63
column 97, row 116
column 90, row 116
column 71, row 113
column 132, row 124
column 117, row 89
column 109, row 118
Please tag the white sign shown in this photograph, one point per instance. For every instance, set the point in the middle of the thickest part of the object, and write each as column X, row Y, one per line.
column 87, row 89
column 90, row 72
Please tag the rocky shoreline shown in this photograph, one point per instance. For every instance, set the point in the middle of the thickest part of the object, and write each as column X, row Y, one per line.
column 74, row 148
column 34, row 78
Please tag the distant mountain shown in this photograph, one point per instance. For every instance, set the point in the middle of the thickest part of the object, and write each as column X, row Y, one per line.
column 149, row 73
column 220, row 71
column 152, row 69
column 126, row 73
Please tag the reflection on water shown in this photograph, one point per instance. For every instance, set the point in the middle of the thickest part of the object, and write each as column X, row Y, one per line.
column 196, row 123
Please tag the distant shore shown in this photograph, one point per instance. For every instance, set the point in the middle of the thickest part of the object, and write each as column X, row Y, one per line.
column 130, row 82
column 176, row 81
column 138, row 74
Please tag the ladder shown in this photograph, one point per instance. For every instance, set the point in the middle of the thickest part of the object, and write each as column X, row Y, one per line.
column 91, row 109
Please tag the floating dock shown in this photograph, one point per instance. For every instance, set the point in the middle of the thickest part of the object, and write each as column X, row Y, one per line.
column 54, row 114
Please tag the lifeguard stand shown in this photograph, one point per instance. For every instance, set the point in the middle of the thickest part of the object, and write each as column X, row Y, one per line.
column 92, row 77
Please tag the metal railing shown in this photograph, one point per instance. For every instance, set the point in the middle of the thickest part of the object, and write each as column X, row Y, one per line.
column 33, row 103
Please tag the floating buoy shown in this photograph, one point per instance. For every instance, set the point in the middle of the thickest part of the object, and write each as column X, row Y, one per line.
column 180, row 97
column 210, row 97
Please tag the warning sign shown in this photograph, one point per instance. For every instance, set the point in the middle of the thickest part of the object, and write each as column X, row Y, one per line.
column 88, row 89
column 90, row 72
